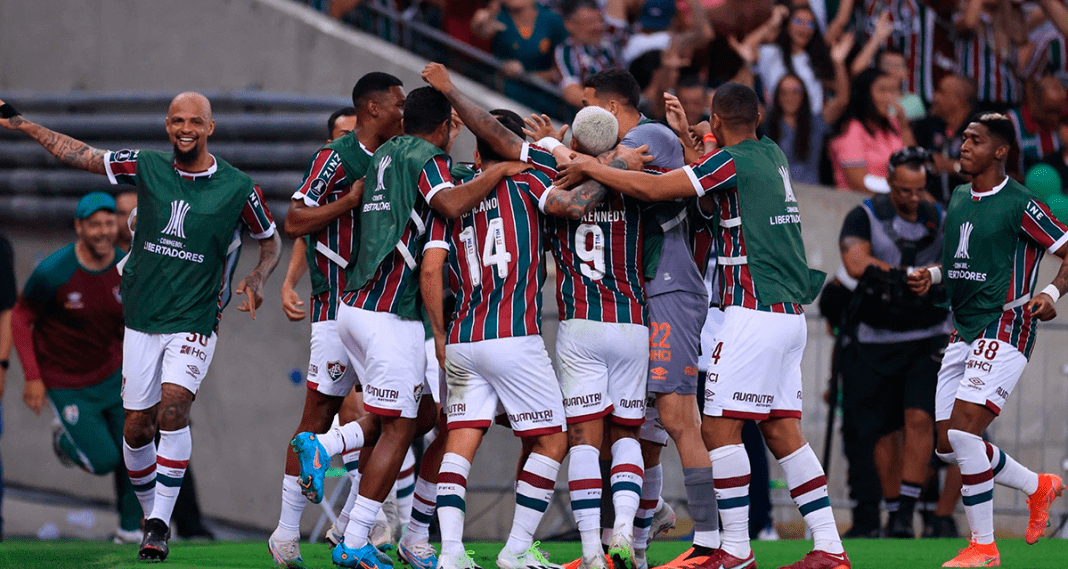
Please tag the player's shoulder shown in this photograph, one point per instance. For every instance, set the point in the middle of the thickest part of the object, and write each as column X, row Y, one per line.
column 56, row 268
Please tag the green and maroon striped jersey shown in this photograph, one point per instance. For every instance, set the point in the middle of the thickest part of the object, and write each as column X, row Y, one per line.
column 979, row 60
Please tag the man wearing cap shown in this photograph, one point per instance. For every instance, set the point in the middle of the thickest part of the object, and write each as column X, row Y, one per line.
column 68, row 333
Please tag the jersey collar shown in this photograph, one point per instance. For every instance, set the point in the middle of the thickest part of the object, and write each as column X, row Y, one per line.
column 980, row 195
column 206, row 174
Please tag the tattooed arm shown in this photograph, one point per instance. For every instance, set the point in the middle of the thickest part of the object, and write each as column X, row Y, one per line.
column 482, row 124
column 73, row 153
column 577, row 202
column 270, row 248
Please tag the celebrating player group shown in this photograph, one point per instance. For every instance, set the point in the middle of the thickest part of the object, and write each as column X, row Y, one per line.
column 426, row 319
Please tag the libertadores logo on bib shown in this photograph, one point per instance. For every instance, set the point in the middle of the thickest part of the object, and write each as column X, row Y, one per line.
column 176, row 224
column 965, row 236
column 790, row 197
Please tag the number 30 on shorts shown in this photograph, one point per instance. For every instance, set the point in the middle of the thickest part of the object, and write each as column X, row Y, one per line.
column 986, row 349
column 195, row 338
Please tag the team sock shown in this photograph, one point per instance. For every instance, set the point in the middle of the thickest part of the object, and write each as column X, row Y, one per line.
column 626, row 479
column 293, row 503
column 340, row 439
column 1008, row 472
column 701, row 497
column 361, row 520
column 172, row 459
column 892, row 504
column 808, row 488
column 141, row 466
column 977, row 489
column 910, row 493
column 652, row 485
column 352, row 470
column 425, row 496
column 584, row 485
column 533, row 492
column 405, row 489
column 451, row 503
column 730, row 464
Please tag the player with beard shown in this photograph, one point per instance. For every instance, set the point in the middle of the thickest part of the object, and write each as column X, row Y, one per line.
column 996, row 314
column 189, row 205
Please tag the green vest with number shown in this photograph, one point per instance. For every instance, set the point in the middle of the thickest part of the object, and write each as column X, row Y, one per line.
column 184, row 228
column 390, row 194
column 979, row 253
column 771, row 225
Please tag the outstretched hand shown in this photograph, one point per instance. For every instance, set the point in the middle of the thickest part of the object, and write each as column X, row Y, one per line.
column 541, row 126
column 437, row 77
column 676, row 115
column 250, row 286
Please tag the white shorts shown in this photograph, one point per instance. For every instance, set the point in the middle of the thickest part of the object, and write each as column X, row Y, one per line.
column 653, row 428
column 150, row 360
column 514, row 372
column 603, row 368
column 330, row 371
column 984, row 372
column 754, row 366
column 435, row 378
column 393, row 354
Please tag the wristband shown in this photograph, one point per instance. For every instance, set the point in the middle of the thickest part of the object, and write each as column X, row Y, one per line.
column 549, row 143
column 1053, row 293
column 7, row 111
column 709, row 138
column 936, row 275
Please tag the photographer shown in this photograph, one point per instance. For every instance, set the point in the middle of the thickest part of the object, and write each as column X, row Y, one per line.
column 891, row 346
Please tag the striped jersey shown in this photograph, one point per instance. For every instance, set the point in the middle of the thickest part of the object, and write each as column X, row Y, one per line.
column 383, row 291
column 1033, row 140
column 599, row 257
column 1037, row 231
column 979, row 60
column 325, row 181
column 715, row 173
column 914, row 34
column 497, row 261
column 1050, row 53
column 578, row 61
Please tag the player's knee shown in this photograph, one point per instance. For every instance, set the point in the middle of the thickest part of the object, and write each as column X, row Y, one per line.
column 139, row 427
column 650, row 453
column 918, row 420
column 553, row 446
column 586, row 433
column 174, row 407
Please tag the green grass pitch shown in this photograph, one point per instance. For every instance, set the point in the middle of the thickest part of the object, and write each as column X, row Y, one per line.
column 875, row 554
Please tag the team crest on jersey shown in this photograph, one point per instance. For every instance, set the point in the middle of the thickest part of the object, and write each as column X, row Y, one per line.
column 74, row 301
column 176, row 225
column 965, row 236
column 418, row 391
column 786, row 184
column 335, row 370
column 70, row 414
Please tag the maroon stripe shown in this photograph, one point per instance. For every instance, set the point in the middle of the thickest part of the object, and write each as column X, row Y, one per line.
column 381, row 411
column 628, row 422
column 406, row 472
column 744, row 415
column 647, row 504
column 809, row 486
column 780, row 413
column 631, row 468
column 590, row 417
column 588, row 484
column 453, row 425
column 990, row 405
column 424, row 500
column 143, row 472
column 536, row 481
column 989, row 450
column 735, row 482
column 538, row 432
column 973, row 479
column 452, row 478
column 169, row 463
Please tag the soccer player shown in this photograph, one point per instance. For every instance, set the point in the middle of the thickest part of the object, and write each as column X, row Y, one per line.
column 755, row 369
column 190, row 203
column 69, row 330
column 380, row 323
column 991, row 285
column 324, row 223
column 495, row 256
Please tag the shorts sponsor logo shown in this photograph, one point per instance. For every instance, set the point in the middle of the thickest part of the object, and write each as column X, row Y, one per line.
column 691, row 371
column 70, row 414
column 589, row 400
column 379, row 393
column 195, row 352
column 1002, row 393
column 658, row 373
column 457, row 408
column 192, row 371
column 976, row 381
column 660, row 355
column 74, row 301
column 313, row 370
column 799, row 395
column 712, row 377
column 335, row 370
column 980, row 365
column 709, row 395
column 758, row 399
column 632, row 403
column 542, row 416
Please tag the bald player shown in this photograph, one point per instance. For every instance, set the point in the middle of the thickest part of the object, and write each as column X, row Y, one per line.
column 190, row 203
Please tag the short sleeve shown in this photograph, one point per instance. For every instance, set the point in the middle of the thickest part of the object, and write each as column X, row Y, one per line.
column 856, row 225
column 121, row 166
column 39, row 289
column 325, row 173
column 539, row 186
column 714, row 172
column 850, row 145
column 1041, row 226
column 435, row 177
column 438, row 233
column 539, row 158
column 256, row 216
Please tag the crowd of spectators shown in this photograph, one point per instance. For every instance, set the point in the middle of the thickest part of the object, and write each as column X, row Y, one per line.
column 845, row 83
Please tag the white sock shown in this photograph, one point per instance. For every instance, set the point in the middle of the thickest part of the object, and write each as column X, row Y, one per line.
column 730, row 466
column 1008, row 472
column 175, row 448
column 405, row 488
column 293, row 503
column 533, row 492
column 352, row 470
column 808, row 488
column 626, row 481
column 141, row 466
column 652, row 485
column 426, row 495
column 451, row 502
column 340, row 439
column 977, row 488
column 361, row 520
column 584, row 485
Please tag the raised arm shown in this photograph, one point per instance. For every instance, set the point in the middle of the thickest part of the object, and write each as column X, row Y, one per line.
column 835, row 106
column 482, row 124
column 73, row 153
column 1057, row 12
column 251, row 285
column 646, row 187
column 298, row 265
column 305, row 220
column 454, row 201
column 884, row 28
